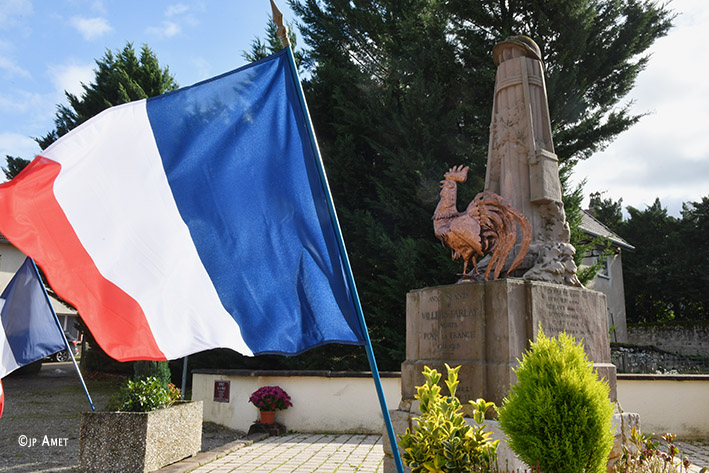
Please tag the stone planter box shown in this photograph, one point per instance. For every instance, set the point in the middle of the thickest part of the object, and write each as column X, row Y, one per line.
column 139, row 441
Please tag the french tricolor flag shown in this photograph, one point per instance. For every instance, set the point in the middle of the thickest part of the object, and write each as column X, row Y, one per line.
column 189, row 221
column 28, row 330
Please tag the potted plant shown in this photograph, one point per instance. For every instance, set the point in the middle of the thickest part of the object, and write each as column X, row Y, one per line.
column 268, row 400
column 145, row 429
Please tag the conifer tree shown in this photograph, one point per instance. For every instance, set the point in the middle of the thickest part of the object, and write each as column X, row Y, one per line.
column 557, row 416
column 121, row 77
column 651, row 284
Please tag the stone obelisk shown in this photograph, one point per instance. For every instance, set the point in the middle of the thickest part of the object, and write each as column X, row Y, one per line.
column 522, row 166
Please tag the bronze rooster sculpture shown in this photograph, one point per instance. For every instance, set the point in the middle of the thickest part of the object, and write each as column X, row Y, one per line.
column 487, row 227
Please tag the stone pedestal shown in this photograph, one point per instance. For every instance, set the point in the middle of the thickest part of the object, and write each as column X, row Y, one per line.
column 486, row 327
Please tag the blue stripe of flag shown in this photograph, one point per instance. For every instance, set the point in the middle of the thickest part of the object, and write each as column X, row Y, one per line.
column 256, row 208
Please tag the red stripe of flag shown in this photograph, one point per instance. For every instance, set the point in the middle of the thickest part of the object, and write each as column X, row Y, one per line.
column 29, row 207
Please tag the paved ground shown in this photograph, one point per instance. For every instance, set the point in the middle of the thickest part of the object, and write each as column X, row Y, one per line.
column 697, row 452
column 318, row 453
column 328, row 453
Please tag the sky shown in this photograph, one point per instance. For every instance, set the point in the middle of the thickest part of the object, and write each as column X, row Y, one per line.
column 665, row 155
column 47, row 47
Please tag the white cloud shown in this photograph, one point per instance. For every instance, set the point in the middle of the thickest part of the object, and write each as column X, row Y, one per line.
column 91, row 28
column 666, row 154
column 167, row 29
column 177, row 16
column 176, row 9
column 15, row 144
column 202, row 67
column 12, row 12
column 11, row 69
column 69, row 77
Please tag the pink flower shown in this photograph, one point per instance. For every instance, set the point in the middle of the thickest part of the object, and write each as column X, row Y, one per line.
column 270, row 398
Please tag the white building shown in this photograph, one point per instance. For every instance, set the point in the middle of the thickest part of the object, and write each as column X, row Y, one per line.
column 609, row 279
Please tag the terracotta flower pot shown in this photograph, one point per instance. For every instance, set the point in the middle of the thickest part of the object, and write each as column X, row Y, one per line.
column 267, row 417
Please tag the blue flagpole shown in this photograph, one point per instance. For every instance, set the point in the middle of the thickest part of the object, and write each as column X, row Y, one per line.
column 348, row 270
column 66, row 342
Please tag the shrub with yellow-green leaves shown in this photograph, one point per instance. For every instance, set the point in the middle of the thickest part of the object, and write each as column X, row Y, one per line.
column 558, row 415
column 442, row 441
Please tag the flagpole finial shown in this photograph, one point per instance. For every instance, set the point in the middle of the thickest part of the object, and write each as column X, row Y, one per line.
column 282, row 30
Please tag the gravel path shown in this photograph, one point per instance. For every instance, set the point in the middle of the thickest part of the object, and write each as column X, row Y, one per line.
column 39, row 428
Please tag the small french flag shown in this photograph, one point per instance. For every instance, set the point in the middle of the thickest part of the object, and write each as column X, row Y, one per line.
column 28, row 331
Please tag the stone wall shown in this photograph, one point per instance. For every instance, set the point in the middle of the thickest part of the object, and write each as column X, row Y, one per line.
column 683, row 339
column 648, row 359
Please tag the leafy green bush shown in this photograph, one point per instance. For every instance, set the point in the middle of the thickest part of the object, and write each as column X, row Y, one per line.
column 144, row 395
column 558, row 413
column 643, row 455
column 149, row 368
column 442, row 441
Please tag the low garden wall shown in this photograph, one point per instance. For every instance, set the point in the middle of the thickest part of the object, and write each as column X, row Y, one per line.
column 667, row 403
column 346, row 402
column 323, row 401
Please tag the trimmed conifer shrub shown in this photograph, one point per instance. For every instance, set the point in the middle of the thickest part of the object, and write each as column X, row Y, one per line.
column 558, row 413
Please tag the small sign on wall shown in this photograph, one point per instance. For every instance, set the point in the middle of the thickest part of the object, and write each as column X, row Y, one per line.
column 221, row 391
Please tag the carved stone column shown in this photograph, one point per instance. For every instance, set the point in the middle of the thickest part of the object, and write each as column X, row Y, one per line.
column 522, row 166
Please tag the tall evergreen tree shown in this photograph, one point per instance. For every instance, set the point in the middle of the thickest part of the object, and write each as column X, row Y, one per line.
column 13, row 166
column 401, row 90
column 121, row 77
column 607, row 211
column 665, row 278
column 649, row 286
column 692, row 260
column 260, row 49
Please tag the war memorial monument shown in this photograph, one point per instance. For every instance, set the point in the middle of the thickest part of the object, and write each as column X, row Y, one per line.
column 526, row 277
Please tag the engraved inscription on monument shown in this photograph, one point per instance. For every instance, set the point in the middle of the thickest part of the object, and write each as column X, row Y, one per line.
column 579, row 312
column 563, row 311
column 446, row 324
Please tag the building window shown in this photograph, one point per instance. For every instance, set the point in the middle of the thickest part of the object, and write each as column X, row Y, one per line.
column 605, row 272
